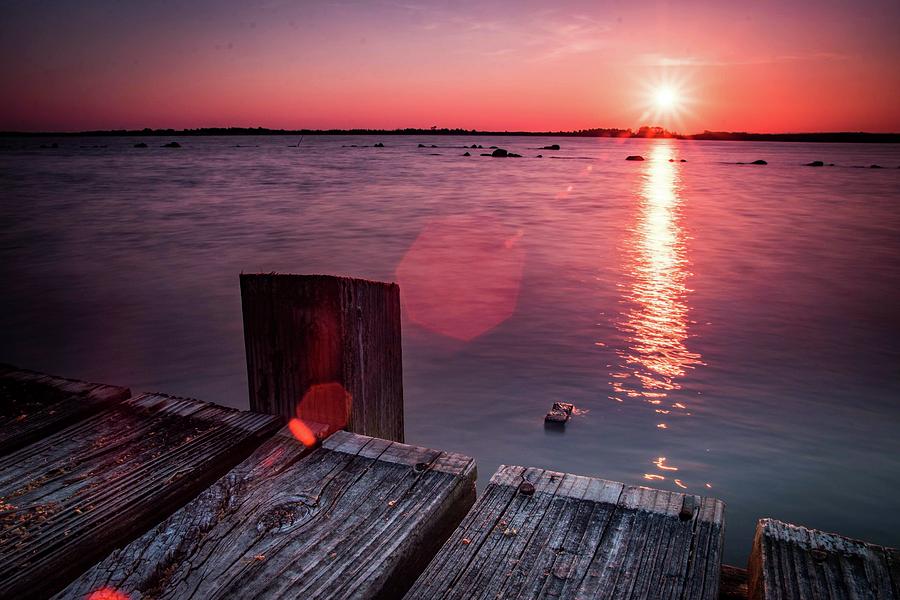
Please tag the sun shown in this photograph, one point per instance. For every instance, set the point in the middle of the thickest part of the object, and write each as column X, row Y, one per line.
column 665, row 99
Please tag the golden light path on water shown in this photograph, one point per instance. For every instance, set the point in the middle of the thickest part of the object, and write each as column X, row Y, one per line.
column 655, row 322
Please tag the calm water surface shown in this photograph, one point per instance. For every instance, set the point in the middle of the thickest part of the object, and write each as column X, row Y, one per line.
column 729, row 330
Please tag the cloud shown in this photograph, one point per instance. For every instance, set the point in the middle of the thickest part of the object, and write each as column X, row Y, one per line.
column 658, row 60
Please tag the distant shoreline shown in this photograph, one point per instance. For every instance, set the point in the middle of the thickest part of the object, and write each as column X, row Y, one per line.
column 642, row 133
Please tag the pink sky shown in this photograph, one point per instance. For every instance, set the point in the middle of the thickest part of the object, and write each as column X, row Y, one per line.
column 513, row 65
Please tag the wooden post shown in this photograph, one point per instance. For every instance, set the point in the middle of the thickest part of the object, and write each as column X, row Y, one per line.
column 325, row 349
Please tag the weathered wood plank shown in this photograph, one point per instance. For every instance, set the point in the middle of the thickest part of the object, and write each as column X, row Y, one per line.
column 359, row 517
column 543, row 534
column 733, row 583
column 70, row 497
column 325, row 349
column 33, row 405
column 790, row 562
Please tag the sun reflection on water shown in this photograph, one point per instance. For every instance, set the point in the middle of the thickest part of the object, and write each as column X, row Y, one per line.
column 655, row 324
column 654, row 321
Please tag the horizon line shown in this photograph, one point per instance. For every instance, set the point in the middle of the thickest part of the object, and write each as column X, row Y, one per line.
column 643, row 131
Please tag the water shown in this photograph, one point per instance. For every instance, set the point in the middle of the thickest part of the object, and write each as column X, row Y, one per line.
column 740, row 321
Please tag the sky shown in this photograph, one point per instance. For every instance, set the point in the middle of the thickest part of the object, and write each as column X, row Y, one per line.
column 752, row 65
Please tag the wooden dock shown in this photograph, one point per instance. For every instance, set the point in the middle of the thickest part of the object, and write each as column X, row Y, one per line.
column 106, row 495
column 544, row 534
column 359, row 517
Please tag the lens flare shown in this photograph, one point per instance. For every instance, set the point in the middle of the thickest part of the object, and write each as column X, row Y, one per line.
column 461, row 277
column 107, row 593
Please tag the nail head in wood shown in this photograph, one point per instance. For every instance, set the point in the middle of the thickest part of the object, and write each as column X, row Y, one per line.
column 526, row 488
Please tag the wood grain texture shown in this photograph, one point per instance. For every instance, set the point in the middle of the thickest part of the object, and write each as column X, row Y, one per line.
column 791, row 562
column 71, row 497
column 733, row 583
column 303, row 331
column 577, row 537
column 33, row 405
column 359, row 517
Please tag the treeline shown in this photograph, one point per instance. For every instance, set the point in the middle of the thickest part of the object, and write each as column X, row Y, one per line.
column 642, row 132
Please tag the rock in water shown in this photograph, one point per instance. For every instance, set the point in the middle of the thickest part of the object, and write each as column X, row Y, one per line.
column 634, row 157
column 378, row 145
column 556, row 417
column 559, row 414
column 421, row 145
column 140, row 145
column 759, row 162
column 499, row 153
column 551, row 147
column 566, row 407
column 815, row 163
column 172, row 145
column 875, row 167
column 514, row 155
column 466, row 154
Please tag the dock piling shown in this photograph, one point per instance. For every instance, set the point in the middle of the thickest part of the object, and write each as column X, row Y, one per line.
column 325, row 349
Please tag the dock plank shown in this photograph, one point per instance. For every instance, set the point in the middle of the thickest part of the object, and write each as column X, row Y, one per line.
column 33, row 404
column 790, row 562
column 544, row 534
column 69, row 498
column 359, row 517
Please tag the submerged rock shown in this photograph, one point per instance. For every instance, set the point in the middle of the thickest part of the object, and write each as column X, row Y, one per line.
column 378, row 145
column 634, row 157
column 172, row 145
column 421, row 145
column 514, row 155
column 539, row 156
column 466, row 154
column 499, row 153
column 551, row 147
column 815, row 163
column 759, row 162
column 875, row 167
column 492, row 147
column 140, row 145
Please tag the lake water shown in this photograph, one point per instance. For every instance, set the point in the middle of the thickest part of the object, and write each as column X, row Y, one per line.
column 732, row 330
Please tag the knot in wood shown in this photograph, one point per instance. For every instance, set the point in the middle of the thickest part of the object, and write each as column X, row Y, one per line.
column 419, row 467
column 282, row 517
column 818, row 554
column 526, row 488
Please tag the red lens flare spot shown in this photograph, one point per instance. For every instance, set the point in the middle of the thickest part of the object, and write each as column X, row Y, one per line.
column 325, row 403
column 107, row 593
column 302, row 432
column 461, row 277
